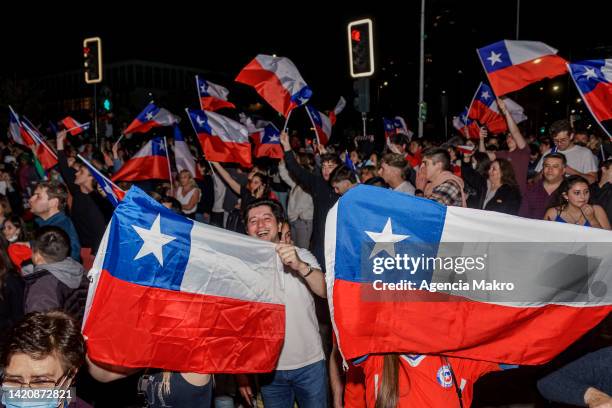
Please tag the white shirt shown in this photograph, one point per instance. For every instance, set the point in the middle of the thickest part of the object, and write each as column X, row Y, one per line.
column 302, row 345
column 219, row 196
column 185, row 198
column 405, row 187
column 578, row 157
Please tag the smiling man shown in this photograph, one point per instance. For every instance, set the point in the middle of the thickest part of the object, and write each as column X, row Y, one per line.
column 300, row 373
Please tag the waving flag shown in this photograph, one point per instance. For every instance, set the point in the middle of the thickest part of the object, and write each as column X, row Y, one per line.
column 150, row 162
column 276, row 80
column 396, row 125
column 16, row 130
column 113, row 193
column 466, row 126
column 484, row 109
column 73, row 126
column 182, row 155
column 593, row 79
column 512, row 65
column 267, row 142
column 339, row 108
column 212, row 96
column 321, row 123
column 528, row 290
column 221, row 138
column 151, row 117
column 172, row 293
column 45, row 155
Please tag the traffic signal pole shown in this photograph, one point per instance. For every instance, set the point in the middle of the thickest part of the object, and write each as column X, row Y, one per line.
column 95, row 111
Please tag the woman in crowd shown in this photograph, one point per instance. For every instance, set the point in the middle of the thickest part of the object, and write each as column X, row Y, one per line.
column 187, row 193
column 571, row 205
column 11, row 291
column 19, row 251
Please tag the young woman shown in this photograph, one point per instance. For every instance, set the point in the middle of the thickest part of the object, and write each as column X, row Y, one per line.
column 19, row 251
column 571, row 205
column 187, row 193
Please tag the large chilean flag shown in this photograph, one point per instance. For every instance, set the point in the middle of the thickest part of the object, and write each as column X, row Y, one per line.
column 594, row 81
column 175, row 294
column 560, row 275
column 512, row 65
column 222, row 139
column 150, row 162
column 277, row 80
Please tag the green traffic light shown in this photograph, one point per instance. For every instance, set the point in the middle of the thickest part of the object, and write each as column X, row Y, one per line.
column 106, row 104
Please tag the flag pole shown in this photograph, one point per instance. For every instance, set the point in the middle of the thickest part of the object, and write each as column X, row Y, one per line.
column 169, row 168
column 313, row 126
column 287, row 121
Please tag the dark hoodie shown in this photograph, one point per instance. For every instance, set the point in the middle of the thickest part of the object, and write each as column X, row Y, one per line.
column 61, row 285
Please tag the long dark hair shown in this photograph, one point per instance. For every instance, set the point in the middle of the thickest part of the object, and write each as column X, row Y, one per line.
column 265, row 182
column 389, row 390
column 18, row 222
column 559, row 201
column 507, row 172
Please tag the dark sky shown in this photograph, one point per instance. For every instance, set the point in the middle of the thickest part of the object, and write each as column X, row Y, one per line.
column 312, row 35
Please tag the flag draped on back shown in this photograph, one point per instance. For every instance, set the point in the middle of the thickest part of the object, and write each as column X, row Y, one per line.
column 277, row 80
column 222, row 139
column 212, row 96
column 175, row 294
column 150, row 162
column 593, row 79
column 512, row 65
column 151, row 117
column 377, row 248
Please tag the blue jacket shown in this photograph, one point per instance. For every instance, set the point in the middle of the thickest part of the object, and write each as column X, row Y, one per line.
column 62, row 221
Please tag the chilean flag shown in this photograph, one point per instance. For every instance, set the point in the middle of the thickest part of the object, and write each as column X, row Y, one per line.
column 73, row 126
column 276, row 80
column 553, row 278
column 212, row 96
column 321, row 123
column 17, row 131
column 484, row 109
column 512, row 65
column 396, row 125
column 175, row 294
column 594, row 81
column 267, row 142
column 151, row 117
column 150, row 162
column 222, row 139
column 182, row 155
column 113, row 193
column 46, row 155
column 466, row 126
column 339, row 108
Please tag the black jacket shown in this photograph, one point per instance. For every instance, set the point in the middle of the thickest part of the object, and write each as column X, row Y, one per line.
column 323, row 198
column 602, row 196
column 507, row 199
column 11, row 301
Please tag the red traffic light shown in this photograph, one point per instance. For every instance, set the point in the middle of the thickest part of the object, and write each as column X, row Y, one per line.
column 356, row 35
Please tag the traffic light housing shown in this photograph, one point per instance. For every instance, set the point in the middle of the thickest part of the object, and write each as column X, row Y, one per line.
column 361, row 88
column 361, row 48
column 92, row 60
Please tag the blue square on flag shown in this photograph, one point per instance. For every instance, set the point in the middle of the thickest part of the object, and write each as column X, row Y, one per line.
column 495, row 56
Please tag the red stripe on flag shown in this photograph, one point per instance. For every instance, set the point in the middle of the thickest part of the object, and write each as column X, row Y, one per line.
column 371, row 321
column 210, row 103
column 138, row 326
column 267, row 85
column 518, row 76
column 216, row 149
column 600, row 101
column 143, row 168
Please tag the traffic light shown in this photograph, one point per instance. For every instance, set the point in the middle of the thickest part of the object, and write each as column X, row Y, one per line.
column 92, row 60
column 361, row 48
column 106, row 104
column 361, row 86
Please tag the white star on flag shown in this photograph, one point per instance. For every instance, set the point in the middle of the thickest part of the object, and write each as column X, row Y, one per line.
column 590, row 73
column 385, row 240
column 153, row 240
column 494, row 57
column 200, row 121
column 273, row 139
column 485, row 95
column 203, row 88
column 149, row 115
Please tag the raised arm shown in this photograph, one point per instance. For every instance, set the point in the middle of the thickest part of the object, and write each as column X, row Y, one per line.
column 233, row 184
column 521, row 143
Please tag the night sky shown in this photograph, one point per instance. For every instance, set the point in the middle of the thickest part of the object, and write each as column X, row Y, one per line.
column 312, row 35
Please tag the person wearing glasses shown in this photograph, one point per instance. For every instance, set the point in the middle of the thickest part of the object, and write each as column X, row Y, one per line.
column 39, row 361
column 580, row 160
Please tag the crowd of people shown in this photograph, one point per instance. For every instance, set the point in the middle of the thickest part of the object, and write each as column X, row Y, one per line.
column 52, row 225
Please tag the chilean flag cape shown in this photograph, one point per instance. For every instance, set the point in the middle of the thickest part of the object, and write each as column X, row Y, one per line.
column 512, row 65
column 151, row 117
column 73, row 126
column 150, row 162
column 276, row 80
column 222, row 139
column 267, row 142
column 17, row 131
column 212, row 96
column 558, row 272
column 593, row 79
column 484, row 109
column 45, row 154
column 171, row 293
column 113, row 193
column 182, row 155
